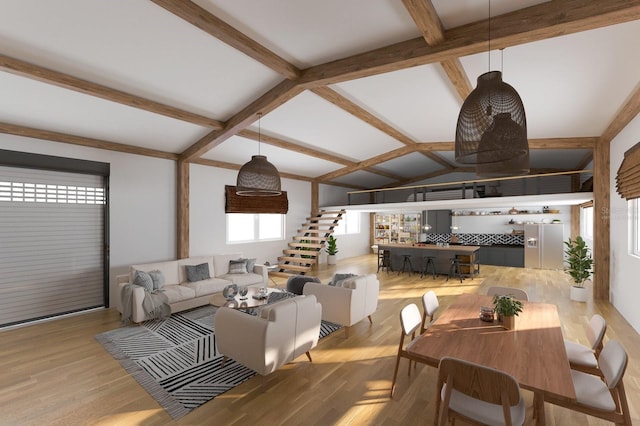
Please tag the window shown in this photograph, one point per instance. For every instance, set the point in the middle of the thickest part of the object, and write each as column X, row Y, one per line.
column 587, row 223
column 634, row 207
column 247, row 228
column 350, row 224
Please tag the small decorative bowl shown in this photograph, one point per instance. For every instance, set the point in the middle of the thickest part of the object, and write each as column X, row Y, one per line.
column 230, row 291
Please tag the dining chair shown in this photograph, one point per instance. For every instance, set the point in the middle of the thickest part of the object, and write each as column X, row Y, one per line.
column 477, row 394
column 504, row 291
column 605, row 399
column 585, row 358
column 430, row 305
column 410, row 320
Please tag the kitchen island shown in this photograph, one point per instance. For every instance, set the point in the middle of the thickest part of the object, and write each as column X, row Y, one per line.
column 442, row 256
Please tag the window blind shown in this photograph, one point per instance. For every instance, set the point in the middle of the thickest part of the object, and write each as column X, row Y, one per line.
column 628, row 176
column 51, row 243
column 240, row 204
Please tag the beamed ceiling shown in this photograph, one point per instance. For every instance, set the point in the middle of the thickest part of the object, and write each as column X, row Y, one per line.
column 355, row 93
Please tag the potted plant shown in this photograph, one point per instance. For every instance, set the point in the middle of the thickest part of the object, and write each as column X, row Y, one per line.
column 580, row 265
column 332, row 250
column 507, row 308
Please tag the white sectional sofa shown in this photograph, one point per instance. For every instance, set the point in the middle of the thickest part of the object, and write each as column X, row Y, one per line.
column 182, row 293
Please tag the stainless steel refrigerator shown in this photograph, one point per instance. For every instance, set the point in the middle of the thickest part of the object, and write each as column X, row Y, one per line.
column 543, row 246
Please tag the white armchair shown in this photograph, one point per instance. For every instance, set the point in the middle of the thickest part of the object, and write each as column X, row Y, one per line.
column 349, row 303
column 282, row 332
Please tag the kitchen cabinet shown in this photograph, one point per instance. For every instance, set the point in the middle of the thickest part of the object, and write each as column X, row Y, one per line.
column 502, row 256
column 396, row 228
column 440, row 221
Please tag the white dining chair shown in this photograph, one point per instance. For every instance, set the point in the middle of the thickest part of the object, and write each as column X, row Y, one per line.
column 585, row 358
column 605, row 399
column 505, row 291
column 477, row 394
column 430, row 305
column 410, row 320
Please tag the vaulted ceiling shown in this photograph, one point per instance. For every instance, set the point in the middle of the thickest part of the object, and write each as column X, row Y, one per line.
column 356, row 93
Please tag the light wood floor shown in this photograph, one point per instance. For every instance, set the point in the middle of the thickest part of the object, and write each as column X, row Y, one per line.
column 55, row 373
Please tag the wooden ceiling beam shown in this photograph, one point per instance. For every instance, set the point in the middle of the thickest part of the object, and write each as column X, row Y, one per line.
column 428, row 22
column 535, row 23
column 263, row 105
column 66, row 81
column 30, row 132
column 399, row 152
column 534, row 144
column 625, row 114
column 224, row 32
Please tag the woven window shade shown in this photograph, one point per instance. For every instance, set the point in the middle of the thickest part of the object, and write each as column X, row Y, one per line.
column 628, row 177
column 254, row 204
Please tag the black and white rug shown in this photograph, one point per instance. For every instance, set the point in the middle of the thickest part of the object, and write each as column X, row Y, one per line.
column 175, row 359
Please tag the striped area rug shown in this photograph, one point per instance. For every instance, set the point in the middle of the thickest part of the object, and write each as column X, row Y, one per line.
column 175, row 359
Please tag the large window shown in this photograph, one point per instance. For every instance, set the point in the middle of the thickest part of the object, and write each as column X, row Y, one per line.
column 587, row 223
column 248, row 228
column 350, row 224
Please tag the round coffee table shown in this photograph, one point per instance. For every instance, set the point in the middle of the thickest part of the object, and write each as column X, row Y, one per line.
column 219, row 300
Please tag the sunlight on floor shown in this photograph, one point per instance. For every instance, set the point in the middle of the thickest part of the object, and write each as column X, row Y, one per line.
column 130, row 418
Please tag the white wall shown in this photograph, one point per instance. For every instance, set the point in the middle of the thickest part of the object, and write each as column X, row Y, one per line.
column 142, row 192
column 624, row 288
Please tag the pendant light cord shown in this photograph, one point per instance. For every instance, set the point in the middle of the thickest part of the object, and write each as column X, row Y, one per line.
column 489, row 35
column 259, row 131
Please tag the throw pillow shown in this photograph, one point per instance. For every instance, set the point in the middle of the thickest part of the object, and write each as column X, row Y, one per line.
column 158, row 279
column 197, row 272
column 339, row 278
column 143, row 279
column 238, row 266
column 250, row 263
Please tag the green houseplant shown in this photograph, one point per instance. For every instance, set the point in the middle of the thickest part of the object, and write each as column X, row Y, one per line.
column 580, row 264
column 331, row 249
column 507, row 308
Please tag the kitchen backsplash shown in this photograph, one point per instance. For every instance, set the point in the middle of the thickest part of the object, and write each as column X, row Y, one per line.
column 479, row 239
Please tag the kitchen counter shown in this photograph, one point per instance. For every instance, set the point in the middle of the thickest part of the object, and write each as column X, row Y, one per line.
column 441, row 254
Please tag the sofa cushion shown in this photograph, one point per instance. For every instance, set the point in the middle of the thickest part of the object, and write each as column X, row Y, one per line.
column 243, row 279
column 196, row 260
column 221, row 263
column 178, row 293
column 238, row 266
column 209, row 286
column 197, row 272
column 143, row 279
column 169, row 270
column 158, row 279
column 250, row 263
column 338, row 279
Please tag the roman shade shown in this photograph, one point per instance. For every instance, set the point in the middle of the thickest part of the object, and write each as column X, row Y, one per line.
column 253, row 204
column 628, row 177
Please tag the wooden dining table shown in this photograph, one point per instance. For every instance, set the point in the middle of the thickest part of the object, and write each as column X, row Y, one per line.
column 533, row 352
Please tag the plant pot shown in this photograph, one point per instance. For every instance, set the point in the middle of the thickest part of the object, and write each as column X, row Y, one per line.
column 579, row 294
column 508, row 322
column 331, row 259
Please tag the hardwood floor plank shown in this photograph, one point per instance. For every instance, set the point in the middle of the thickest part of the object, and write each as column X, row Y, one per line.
column 56, row 373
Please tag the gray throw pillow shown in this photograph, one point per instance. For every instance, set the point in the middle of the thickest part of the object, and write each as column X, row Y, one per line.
column 250, row 263
column 339, row 278
column 143, row 279
column 197, row 272
column 238, row 266
column 158, row 279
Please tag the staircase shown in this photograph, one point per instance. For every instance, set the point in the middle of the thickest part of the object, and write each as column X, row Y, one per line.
column 304, row 251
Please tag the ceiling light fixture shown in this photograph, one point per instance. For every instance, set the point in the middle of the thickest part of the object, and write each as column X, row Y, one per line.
column 258, row 177
column 492, row 126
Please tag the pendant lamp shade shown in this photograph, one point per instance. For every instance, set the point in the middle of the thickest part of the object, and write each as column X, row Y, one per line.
column 515, row 166
column 258, row 178
column 492, row 125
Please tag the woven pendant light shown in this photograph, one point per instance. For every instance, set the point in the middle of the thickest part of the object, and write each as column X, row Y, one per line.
column 258, row 177
column 492, row 125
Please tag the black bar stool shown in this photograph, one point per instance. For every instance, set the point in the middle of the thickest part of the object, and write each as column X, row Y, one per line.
column 384, row 260
column 428, row 261
column 454, row 269
column 406, row 259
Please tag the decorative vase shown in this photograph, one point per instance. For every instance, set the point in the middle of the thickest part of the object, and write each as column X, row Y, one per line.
column 331, row 259
column 230, row 291
column 508, row 322
column 579, row 294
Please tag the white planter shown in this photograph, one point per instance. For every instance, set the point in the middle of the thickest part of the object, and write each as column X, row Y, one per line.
column 331, row 259
column 579, row 294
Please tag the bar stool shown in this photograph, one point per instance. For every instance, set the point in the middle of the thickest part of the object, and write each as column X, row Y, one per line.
column 384, row 260
column 406, row 259
column 428, row 261
column 454, row 269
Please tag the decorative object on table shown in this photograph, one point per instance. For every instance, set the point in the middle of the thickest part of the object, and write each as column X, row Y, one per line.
column 243, row 292
column 580, row 265
column 262, row 293
column 230, row 291
column 486, row 314
column 507, row 308
column 258, row 177
column 174, row 359
column 332, row 250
